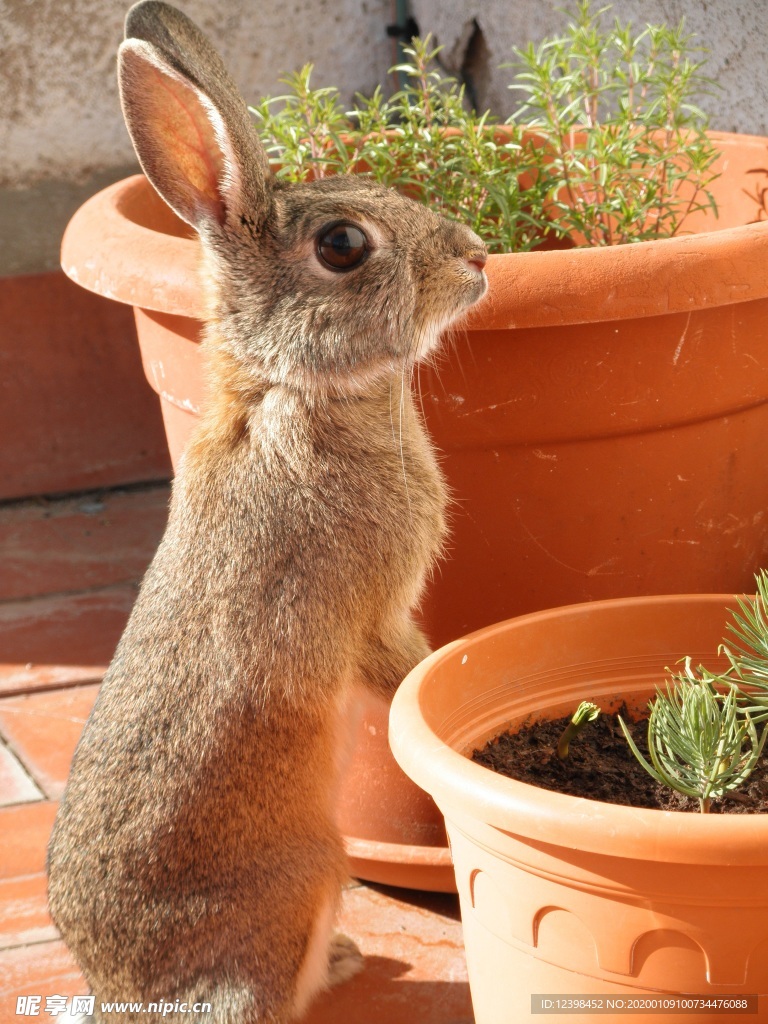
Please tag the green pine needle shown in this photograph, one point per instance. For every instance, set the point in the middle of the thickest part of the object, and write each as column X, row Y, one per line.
column 701, row 741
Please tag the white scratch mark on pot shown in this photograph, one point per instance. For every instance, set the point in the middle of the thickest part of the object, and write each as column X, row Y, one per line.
column 491, row 408
column 558, row 561
column 181, row 403
column 678, row 540
column 680, row 343
column 157, row 370
column 736, row 525
column 551, row 457
column 601, row 569
column 372, row 730
column 464, row 660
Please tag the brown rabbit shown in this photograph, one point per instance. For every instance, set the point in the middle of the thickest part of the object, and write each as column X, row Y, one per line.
column 195, row 856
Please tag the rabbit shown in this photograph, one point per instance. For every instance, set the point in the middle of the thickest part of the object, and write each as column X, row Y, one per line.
column 194, row 857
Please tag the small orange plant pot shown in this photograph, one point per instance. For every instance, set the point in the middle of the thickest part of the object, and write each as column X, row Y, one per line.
column 564, row 896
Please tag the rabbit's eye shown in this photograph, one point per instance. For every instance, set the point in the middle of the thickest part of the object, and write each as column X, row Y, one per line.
column 342, row 246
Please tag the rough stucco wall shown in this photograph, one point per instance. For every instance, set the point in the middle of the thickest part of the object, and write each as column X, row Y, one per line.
column 58, row 94
column 61, row 131
column 62, row 135
column 735, row 31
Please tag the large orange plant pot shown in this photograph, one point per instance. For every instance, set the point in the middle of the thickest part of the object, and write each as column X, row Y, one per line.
column 564, row 896
column 602, row 418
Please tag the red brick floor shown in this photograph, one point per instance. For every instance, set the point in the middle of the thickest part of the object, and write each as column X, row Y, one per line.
column 68, row 575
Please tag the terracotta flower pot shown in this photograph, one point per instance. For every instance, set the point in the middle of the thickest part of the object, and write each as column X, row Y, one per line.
column 566, row 895
column 602, row 418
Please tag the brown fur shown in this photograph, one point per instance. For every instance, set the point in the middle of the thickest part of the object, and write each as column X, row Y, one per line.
column 195, row 854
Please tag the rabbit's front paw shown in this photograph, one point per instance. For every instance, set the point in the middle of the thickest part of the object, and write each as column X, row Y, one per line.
column 344, row 959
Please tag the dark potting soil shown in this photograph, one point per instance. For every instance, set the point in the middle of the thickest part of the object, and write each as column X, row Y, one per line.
column 601, row 766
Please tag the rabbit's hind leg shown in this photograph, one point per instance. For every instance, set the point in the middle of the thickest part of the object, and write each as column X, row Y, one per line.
column 330, row 959
column 344, row 961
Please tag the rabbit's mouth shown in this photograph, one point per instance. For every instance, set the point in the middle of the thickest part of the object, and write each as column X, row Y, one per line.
column 473, row 288
column 479, row 287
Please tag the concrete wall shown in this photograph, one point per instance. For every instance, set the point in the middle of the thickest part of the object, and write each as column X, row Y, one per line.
column 478, row 35
column 61, row 131
column 62, row 136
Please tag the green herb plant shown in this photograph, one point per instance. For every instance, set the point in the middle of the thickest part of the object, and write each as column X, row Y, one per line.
column 422, row 140
column 607, row 147
column 627, row 157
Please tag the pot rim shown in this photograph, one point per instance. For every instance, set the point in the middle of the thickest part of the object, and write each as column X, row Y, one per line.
column 106, row 252
column 464, row 790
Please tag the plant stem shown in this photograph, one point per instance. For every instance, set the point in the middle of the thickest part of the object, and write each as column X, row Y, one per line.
column 585, row 712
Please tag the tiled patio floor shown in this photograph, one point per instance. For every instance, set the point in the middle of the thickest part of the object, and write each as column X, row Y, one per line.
column 68, row 573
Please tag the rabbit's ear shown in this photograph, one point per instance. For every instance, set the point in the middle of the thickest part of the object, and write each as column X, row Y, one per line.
column 192, row 132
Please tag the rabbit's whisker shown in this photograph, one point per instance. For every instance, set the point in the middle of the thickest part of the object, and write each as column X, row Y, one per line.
column 417, row 371
column 403, row 372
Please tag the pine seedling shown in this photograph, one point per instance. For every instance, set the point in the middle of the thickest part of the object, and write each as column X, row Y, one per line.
column 747, row 649
column 586, row 712
column 702, row 742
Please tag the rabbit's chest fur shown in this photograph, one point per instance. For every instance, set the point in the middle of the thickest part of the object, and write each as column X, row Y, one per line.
column 334, row 511
column 296, row 548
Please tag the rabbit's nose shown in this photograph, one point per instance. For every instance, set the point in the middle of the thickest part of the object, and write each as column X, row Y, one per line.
column 476, row 261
